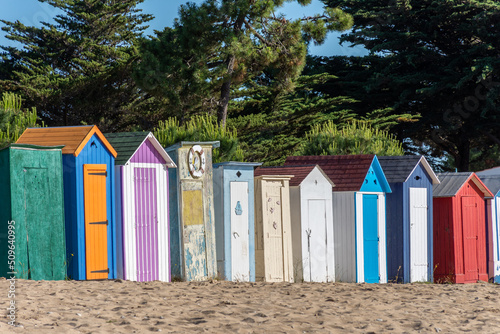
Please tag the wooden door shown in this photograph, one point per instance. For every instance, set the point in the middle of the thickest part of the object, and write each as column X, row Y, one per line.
column 273, row 244
column 38, row 225
column 470, row 216
column 194, row 240
column 240, row 254
column 96, row 221
column 315, row 266
column 146, row 224
column 418, row 235
column 370, row 238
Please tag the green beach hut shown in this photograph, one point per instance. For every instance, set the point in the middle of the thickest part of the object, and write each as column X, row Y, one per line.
column 32, row 239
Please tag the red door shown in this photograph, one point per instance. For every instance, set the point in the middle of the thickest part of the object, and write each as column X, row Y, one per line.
column 470, row 221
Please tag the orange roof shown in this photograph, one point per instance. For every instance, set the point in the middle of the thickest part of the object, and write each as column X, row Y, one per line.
column 74, row 138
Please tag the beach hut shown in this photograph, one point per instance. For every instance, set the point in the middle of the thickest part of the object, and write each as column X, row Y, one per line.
column 459, row 228
column 32, row 213
column 88, row 173
column 273, row 234
column 191, row 203
column 409, row 218
column 234, row 220
column 491, row 178
column 359, row 225
column 311, row 221
column 142, row 222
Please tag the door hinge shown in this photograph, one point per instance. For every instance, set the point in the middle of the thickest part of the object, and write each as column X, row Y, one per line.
column 100, row 223
column 102, row 173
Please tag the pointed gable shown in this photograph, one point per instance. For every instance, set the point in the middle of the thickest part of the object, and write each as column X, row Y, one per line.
column 299, row 172
column 74, row 138
column 397, row 169
column 347, row 172
column 138, row 147
column 451, row 183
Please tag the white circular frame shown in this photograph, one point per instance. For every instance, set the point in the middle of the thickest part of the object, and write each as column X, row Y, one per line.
column 196, row 150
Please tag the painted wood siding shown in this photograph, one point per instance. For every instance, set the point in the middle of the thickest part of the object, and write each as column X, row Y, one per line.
column 496, row 240
column 297, row 231
column 444, row 249
column 344, row 231
column 193, row 253
column 221, row 239
column 233, row 183
column 5, row 209
column 419, row 179
column 396, row 219
column 32, row 197
column 450, row 246
column 131, row 202
column 470, row 190
column 318, row 255
column 93, row 153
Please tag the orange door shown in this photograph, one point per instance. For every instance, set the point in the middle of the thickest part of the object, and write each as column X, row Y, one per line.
column 96, row 223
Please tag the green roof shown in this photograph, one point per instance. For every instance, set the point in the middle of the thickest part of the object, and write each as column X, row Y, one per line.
column 125, row 144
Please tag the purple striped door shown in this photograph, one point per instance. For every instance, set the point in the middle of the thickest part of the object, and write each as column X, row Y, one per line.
column 146, row 224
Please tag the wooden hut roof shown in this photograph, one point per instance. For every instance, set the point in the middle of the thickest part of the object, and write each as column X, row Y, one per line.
column 299, row 172
column 399, row 168
column 74, row 138
column 452, row 182
column 348, row 172
column 126, row 145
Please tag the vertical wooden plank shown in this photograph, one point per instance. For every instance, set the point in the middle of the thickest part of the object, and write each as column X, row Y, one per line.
column 382, row 243
column 359, row 255
column 287, row 232
column 496, row 239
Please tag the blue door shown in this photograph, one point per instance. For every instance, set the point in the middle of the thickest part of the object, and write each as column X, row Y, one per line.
column 370, row 238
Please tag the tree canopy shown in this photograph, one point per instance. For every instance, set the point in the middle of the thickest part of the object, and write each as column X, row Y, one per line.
column 437, row 59
column 77, row 70
column 217, row 46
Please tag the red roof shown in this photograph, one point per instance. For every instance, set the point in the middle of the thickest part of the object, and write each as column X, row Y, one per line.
column 348, row 172
column 299, row 172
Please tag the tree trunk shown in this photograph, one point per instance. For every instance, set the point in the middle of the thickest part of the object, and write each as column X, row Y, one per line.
column 462, row 160
column 225, row 92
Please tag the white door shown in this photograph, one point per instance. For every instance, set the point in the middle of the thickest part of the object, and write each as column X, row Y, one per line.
column 273, row 242
column 240, row 261
column 418, row 235
column 315, row 263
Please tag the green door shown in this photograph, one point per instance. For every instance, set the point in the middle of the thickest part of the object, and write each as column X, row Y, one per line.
column 38, row 226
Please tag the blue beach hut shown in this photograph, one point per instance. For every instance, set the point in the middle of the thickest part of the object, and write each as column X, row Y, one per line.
column 359, row 222
column 234, row 220
column 88, row 176
column 409, row 218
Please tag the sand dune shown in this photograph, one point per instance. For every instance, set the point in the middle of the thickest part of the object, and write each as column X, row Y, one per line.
column 131, row 307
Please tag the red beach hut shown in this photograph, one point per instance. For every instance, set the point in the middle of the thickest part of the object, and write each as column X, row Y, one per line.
column 459, row 228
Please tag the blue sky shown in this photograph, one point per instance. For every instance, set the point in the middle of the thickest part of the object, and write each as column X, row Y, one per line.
column 31, row 12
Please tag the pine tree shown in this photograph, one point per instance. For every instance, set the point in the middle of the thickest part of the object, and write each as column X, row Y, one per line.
column 78, row 69
column 437, row 59
column 213, row 48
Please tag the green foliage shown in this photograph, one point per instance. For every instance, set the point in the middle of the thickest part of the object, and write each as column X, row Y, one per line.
column 77, row 70
column 437, row 59
column 357, row 137
column 199, row 65
column 13, row 120
column 271, row 123
column 201, row 128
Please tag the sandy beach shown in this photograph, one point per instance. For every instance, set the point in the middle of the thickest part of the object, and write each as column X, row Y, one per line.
column 131, row 307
